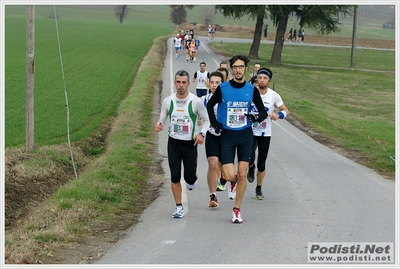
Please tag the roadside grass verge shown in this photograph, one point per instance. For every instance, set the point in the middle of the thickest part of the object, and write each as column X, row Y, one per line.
column 352, row 111
column 109, row 195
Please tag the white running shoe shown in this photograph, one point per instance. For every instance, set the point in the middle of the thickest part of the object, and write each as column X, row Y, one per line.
column 231, row 189
column 236, row 217
column 190, row 186
column 179, row 212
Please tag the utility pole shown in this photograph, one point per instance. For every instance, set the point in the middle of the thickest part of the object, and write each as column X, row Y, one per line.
column 30, row 79
column 353, row 43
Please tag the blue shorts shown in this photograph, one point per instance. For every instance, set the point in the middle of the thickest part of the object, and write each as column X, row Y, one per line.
column 240, row 141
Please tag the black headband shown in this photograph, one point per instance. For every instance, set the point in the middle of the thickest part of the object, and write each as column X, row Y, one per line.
column 265, row 72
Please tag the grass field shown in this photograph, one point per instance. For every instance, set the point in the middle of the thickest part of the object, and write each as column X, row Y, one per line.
column 100, row 59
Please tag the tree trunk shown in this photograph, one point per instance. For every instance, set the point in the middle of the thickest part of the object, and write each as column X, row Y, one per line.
column 122, row 14
column 279, row 40
column 255, row 46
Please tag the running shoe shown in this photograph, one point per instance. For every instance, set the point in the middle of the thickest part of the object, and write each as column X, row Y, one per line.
column 179, row 212
column 259, row 195
column 236, row 217
column 220, row 187
column 250, row 174
column 222, row 180
column 231, row 189
column 190, row 186
column 213, row 201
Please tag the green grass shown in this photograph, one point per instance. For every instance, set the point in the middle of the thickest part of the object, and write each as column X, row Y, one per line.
column 354, row 109
column 319, row 56
column 100, row 58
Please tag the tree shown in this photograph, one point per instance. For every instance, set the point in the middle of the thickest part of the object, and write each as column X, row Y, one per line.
column 323, row 18
column 257, row 12
column 208, row 14
column 121, row 12
column 178, row 13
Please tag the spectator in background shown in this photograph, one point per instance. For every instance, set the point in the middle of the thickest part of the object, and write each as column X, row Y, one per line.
column 294, row 35
column 290, row 35
column 266, row 30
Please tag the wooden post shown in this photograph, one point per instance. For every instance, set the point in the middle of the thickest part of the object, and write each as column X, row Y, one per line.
column 30, row 79
column 353, row 43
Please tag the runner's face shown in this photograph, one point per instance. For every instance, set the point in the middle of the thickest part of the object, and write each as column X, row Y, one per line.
column 202, row 67
column 239, row 69
column 263, row 81
column 182, row 84
column 214, row 82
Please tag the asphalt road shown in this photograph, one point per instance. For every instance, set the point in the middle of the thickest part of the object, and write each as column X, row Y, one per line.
column 312, row 194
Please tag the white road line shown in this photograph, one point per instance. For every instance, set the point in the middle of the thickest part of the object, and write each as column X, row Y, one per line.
column 216, row 62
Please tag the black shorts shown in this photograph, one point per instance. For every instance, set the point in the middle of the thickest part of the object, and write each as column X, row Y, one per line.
column 201, row 92
column 262, row 143
column 178, row 151
column 213, row 145
column 240, row 141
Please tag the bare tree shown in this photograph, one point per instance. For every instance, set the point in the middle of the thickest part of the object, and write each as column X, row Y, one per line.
column 121, row 12
column 178, row 13
column 208, row 14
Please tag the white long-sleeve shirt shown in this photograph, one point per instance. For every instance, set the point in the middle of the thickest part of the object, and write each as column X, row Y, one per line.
column 183, row 114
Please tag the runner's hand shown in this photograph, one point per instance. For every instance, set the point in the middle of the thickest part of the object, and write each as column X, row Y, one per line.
column 251, row 117
column 218, row 128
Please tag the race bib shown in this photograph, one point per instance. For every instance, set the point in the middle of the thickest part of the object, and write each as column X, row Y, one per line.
column 181, row 127
column 236, row 117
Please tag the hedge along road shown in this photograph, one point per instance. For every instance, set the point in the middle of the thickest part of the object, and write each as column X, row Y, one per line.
column 312, row 194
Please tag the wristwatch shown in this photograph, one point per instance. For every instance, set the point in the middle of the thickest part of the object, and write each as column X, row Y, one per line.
column 202, row 134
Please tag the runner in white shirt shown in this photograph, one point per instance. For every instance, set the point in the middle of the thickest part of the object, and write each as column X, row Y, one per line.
column 177, row 43
column 262, row 130
column 202, row 76
column 183, row 109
